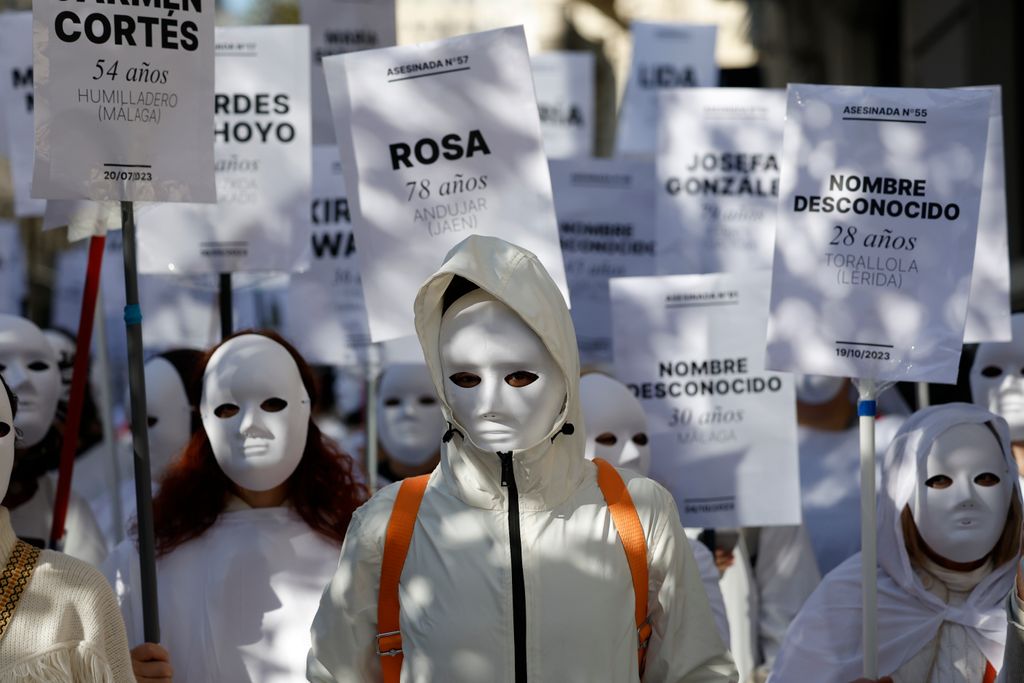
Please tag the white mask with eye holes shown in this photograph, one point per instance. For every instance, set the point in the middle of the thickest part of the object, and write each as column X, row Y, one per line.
column 255, row 411
column 504, row 388
column 170, row 416
column 963, row 494
column 997, row 378
column 29, row 364
column 409, row 414
column 65, row 350
column 616, row 423
column 7, row 437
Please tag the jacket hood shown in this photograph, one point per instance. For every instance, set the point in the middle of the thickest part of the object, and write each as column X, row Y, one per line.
column 546, row 473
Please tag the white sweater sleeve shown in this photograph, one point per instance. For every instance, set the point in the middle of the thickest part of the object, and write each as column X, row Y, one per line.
column 345, row 627
column 685, row 646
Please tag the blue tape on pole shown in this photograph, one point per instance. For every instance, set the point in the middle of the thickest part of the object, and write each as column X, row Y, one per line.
column 867, row 408
column 133, row 314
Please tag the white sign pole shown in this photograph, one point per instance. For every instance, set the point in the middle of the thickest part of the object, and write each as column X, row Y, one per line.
column 866, row 411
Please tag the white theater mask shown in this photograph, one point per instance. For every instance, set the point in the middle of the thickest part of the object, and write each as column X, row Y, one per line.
column 817, row 390
column 616, row 424
column 65, row 350
column 502, row 384
column 29, row 364
column 255, row 411
column 6, row 442
column 169, row 418
column 409, row 414
column 997, row 378
column 963, row 493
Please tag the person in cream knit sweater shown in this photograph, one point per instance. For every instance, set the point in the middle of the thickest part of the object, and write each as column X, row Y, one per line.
column 66, row 626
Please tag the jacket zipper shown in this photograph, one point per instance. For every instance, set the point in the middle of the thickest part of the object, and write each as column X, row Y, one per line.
column 508, row 479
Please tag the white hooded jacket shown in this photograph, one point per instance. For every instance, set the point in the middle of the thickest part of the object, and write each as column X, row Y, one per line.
column 824, row 641
column 458, row 582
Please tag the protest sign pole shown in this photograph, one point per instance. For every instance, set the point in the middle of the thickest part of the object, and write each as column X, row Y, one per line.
column 226, row 305
column 106, row 408
column 372, row 373
column 140, row 436
column 866, row 411
column 79, row 381
column 924, row 398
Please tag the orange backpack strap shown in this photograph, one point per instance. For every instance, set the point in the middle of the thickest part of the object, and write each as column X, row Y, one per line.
column 631, row 533
column 396, row 547
column 990, row 673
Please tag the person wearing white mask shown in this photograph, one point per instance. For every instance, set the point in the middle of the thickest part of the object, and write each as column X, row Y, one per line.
column 172, row 404
column 949, row 524
column 58, row 618
column 829, row 443
column 617, row 432
column 29, row 365
column 997, row 382
column 409, row 423
column 248, row 521
column 515, row 570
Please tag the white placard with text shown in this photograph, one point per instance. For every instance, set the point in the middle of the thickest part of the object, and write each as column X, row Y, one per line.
column 724, row 429
column 718, row 178
column 337, row 27
column 606, row 221
column 122, row 100
column 263, row 165
column 439, row 141
column 665, row 56
column 878, row 215
column 17, row 101
column 325, row 315
column 565, row 83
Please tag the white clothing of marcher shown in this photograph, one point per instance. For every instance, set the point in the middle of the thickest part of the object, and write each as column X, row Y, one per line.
column 66, row 627
column 83, row 538
column 830, row 488
column 772, row 575
column 957, row 618
column 236, row 602
column 457, row 617
column 710, row 577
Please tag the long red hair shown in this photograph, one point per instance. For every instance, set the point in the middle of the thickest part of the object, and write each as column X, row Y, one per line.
column 194, row 490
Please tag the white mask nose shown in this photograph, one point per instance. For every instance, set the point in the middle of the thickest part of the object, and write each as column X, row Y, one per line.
column 16, row 376
column 251, row 427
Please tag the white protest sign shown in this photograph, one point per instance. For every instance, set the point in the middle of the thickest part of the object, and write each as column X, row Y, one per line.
column 81, row 217
column 565, row 82
column 263, row 164
column 606, row 221
column 122, row 100
column 878, row 213
column 439, row 141
column 665, row 56
column 325, row 315
column 718, row 178
column 13, row 283
column 16, row 99
column 337, row 27
column 690, row 348
column 988, row 310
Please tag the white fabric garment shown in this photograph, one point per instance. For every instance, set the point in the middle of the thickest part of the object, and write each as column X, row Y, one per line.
column 66, row 627
column 83, row 540
column 235, row 603
column 710, row 577
column 457, row 584
column 771, row 577
column 825, row 637
column 950, row 656
column 830, row 488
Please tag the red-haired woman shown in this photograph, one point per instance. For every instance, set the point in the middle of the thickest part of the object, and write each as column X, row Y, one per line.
column 249, row 522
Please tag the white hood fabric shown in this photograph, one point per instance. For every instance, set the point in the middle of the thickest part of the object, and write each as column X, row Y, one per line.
column 824, row 642
column 456, row 586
